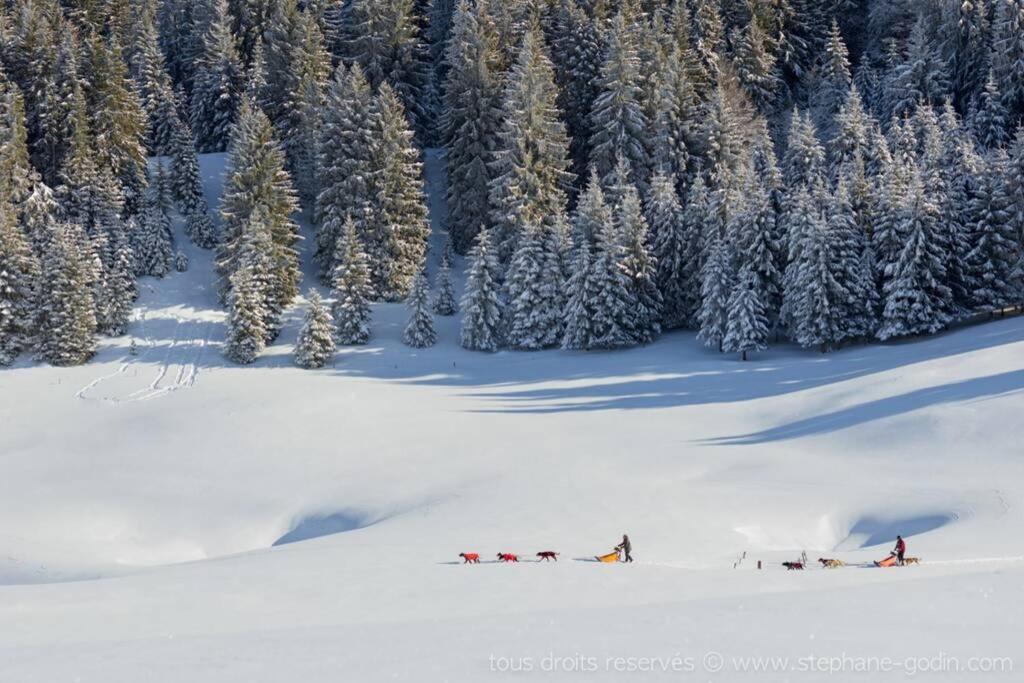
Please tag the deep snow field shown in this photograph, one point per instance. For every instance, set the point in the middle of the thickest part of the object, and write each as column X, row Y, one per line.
column 171, row 517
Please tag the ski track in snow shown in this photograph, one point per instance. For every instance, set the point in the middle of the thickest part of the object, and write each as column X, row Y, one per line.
column 177, row 369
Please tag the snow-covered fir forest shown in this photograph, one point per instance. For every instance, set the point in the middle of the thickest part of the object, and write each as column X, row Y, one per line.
column 824, row 171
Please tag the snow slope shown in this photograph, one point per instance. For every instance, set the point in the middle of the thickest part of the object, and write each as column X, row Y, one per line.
column 152, row 507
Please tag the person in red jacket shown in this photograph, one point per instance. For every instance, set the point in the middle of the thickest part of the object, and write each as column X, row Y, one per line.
column 901, row 548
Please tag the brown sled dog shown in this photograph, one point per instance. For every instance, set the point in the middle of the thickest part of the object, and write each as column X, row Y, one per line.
column 831, row 564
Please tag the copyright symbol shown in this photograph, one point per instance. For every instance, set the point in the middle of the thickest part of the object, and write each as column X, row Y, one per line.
column 713, row 662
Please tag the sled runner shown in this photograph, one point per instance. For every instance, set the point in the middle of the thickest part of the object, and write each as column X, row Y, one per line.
column 610, row 557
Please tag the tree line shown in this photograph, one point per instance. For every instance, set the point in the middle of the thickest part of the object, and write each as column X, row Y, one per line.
column 825, row 171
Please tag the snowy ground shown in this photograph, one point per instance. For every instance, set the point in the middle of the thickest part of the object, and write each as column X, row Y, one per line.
column 146, row 504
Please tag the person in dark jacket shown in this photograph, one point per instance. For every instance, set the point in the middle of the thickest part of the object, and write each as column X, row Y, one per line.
column 626, row 547
column 900, row 550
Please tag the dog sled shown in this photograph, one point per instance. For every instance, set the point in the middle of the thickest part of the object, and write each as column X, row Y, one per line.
column 887, row 562
column 610, row 557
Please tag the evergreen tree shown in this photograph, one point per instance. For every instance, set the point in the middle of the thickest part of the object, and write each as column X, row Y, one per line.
column 15, row 168
column 580, row 332
column 716, row 288
column 66, row 316
column 383, row 37
column 833, row 80
column 757, row 68
column 217, row 81
column 1007, row 58
column 396, row 230
column 115, row 307
column 419, row 332
column 470, row 120
column 669, row 248
column 19, row 273
column 483, row 309
column 530, row 169
column 257, row 181
column 753, row 231
column 533, row 316
column 444, row 301
column 915, row 297
column 617, row 120
column 118, row 122
column 640, row 267
column 613, row 302
column 351, row 282
column 153, row 243
column 695, row 216
column 995, row 249
column 315, row 345
column 246, row 335
column 187, row 188
column 344, row 169
column 746, row 327
column 991, row 119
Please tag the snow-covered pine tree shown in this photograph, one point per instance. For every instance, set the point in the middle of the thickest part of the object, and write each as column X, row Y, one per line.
column 396, row 230
column 614, row 304
column 66, row 315
column 39, row 217
column 746, row 328
column 59, row 104
column 533, row 317
column 187, row 188
column 15, row 167
column 1007, row 57
column 833, row 81
column 592, row 212
column 617, row 121
column 922, row 76
column 344, row 169
column 419, row 331
column 152, row 241
column 246, row 334
column 119, row 293
column 297, row 77
column 753, row 232
column 384, row 38
column 668, row 238
column 991, row 120
column 757, row 67
column 19, row 274
column 915, row 296
column 148, row 70
column 257, row 181
column 695, row 217
column 672, row 129
column 817, row 295
column 1014, row 173
column 482, row 307
column 579, row 315
column 717, row 280
column 640, row 267
column 218, row 81
column 315, row 345
column 444, row 298
column 470, row 120
column 116, row 118
column 847, row 242
column 995, row 250
column 576, row 49
column 850, row 141
column 530, row 168
column 351, row 282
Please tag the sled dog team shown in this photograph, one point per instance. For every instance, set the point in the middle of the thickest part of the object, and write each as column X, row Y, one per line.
column 897, row 558
column 547, row 555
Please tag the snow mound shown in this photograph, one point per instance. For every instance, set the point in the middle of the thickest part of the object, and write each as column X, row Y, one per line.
column 316, row 526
